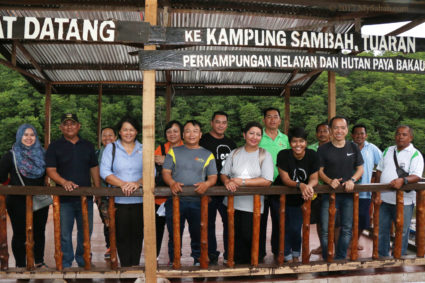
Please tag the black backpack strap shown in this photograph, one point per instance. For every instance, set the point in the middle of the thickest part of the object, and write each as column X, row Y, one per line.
column 113, row 156
column 162, row 149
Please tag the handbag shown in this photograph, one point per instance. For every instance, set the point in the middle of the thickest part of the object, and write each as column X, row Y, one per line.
column 38, row 201
column 400, row 172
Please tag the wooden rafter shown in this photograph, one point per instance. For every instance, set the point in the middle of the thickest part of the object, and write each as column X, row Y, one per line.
column 24, row 72
column 407, row 27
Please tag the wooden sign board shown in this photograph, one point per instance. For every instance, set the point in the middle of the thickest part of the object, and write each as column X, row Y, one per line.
column 73, row 30
column 251, row 60
column 112, row 31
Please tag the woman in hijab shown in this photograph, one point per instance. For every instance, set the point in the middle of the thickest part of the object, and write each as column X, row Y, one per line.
column 28, row 156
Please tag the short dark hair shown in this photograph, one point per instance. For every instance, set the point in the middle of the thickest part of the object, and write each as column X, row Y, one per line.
column 251, row 124
column 358, row 126
column 131, row 121
column 108, row 127
column 170, row 124
column 335, row 118
column 321, row 124
column 194, row 123
column 298, row 132
column 270, row 109
column 219, row 113
column 405, row 126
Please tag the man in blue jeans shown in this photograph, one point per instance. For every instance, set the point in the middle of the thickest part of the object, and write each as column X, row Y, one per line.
column 341, row 164
column 410, row 160
column 188, row 165
column 70, row 162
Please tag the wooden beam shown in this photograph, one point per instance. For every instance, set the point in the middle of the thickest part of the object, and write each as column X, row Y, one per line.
column 151, row 13
column 10, row 66
column 47, row 115
column 168, row 98
column 331, row 95
column 13, row 59
column 312, row 73
column 407, row 27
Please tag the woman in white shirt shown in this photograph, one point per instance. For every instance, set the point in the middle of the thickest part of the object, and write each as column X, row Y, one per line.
column 248, row 166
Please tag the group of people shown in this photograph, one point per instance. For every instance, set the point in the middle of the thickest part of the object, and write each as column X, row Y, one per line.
column 191, row 158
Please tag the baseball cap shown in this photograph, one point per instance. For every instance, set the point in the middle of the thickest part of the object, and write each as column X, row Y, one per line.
column 69, row 116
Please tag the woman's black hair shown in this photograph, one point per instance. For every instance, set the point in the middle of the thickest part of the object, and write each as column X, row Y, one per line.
column 170, row 124
column 129, row 120
column 251, row 124
column 108, row 127
column 298, row 132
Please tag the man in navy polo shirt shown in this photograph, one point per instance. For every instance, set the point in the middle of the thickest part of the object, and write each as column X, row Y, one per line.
column 70, row 162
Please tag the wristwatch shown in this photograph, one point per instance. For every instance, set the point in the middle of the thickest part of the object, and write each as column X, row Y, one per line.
column 243, row 182
column 298, row 185
column 354, row 180
column 405, row 181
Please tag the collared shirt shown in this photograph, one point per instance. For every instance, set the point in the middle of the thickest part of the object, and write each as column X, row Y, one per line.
column 371, row 156
column 410, row 160
column 72, row 162
column 274, row 146
column 127, row 167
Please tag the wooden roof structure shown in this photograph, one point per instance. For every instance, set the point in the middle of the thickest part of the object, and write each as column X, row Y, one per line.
column 80, row 67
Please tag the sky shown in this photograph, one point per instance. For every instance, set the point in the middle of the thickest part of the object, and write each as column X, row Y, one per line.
column 418, row 31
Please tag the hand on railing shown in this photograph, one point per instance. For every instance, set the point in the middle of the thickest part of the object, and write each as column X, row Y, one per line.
column 397, row 183
column 335, row 183
column 129, row 187
column 307, row 191
column 348, row 186
column 69, row 186
column 231, row 185
column 176, row 187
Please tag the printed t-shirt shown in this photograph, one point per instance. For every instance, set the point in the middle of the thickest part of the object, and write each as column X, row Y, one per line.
column 246, row 165
column 221, row 148
column 298, row 170
column 190, row 166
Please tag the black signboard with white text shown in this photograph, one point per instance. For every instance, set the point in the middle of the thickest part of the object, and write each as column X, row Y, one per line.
column 250, row 60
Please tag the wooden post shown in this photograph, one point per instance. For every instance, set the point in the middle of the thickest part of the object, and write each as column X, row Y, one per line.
column 4, row 254
column 420, row 222
column 256, row 217
column 375, row 237
column 168, row 103
column 306, row 209
column 29, row 245
column 86, row 233
column 204, row 232
column 112, row 233
column 281, row 256
column 331, row 227
column 47, row 115
column 355, row 237
column 99, row 116
column 57, row 232
column 398, row 241
column 176, row 232
column 151, row 14
column 231, row 231
column 331, row 95
column 286, row 122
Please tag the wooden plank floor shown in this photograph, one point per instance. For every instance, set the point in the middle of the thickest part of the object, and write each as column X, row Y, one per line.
column 98, row 250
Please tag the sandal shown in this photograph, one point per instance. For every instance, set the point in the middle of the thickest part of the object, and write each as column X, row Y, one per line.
column 41, row 265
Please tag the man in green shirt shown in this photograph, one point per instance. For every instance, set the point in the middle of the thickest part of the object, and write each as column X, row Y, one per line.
column 273, row 141
column 322, row 136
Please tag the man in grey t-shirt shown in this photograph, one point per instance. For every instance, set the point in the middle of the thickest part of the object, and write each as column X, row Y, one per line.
column 188, row 165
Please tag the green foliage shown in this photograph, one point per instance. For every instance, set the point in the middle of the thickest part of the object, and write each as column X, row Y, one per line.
column 381, row 101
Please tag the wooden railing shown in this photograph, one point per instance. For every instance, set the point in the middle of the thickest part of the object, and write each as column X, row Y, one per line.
column 216, row 271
